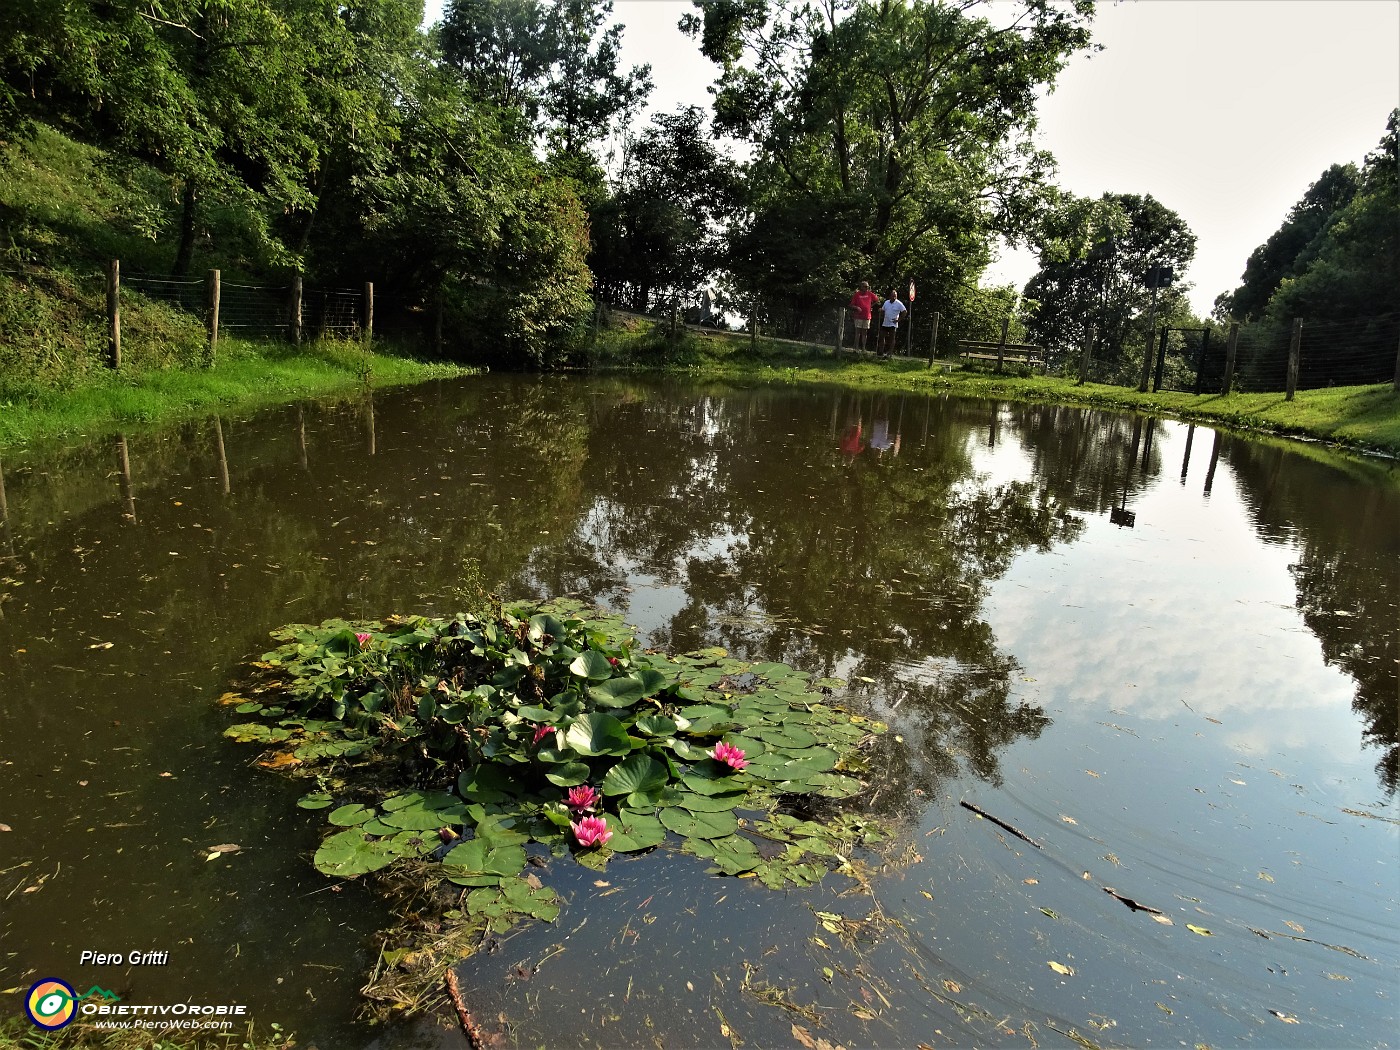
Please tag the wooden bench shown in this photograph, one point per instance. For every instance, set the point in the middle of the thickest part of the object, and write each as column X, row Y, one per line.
column 1017, row 353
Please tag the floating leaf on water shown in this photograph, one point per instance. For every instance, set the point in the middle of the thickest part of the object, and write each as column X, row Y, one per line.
column 1266, row 876
column 1061, row 968
column 1285, row 1018
column 1295, row 927
column 348, row 816
column 1199, row 929
column 1052, row 914
column 636, row 772
column 1163, row 919
column 1068, row 820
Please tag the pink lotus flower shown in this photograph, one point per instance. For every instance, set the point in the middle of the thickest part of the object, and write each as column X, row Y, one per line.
column 585, row 796
column 542, row 732
column 591, row 831
column 730, row 755
column 363, row 639
column 612, row 660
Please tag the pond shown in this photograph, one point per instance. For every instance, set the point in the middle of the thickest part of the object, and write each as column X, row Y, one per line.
column 1142, row 681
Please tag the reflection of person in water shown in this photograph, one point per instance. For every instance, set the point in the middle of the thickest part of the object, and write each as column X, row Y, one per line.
column 880, row 440
column 851, row 442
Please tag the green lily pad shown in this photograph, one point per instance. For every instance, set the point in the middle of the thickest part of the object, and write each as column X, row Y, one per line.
column 655, row 725
column 475, row 857
column 637, row 772
column 597, row 734
column 316, row 800
column 699, row 825
column 350, row 853
column 593, row 666
column 568, row 774
column 618, row 692
column 348, row 816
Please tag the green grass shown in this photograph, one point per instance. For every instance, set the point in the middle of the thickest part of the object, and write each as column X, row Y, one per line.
column 246, row 375
column 1361, row 418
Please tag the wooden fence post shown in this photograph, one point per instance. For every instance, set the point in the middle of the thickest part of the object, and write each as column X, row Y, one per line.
column 753, row 326
column 1295, row 347
column 114, row 315
column 933, row 338
column 840, row 332
column 437, row 324
column 1231, row 345
column 212, row 287
column 1001, row 346
column 369, row 311
column 1397, row 370
column 1161, row 359
column 296, row 309
column 1089, row 338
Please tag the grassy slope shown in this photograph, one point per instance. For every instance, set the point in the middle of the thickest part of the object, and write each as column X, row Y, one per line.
column 1365, row 418
column 247, row 376
column 65, row 210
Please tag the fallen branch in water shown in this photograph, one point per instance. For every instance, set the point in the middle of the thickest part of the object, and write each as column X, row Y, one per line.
column 476, row 1038
column 1001, row 824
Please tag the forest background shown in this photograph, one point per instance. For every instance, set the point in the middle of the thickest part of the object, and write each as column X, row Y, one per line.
column 492, row 175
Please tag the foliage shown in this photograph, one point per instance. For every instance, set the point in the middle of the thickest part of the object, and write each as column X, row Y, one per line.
column 553, row 64
column 891, row 139
column 1293, row 246
column 661, row 230
column 1094, row 260
column 544, row 727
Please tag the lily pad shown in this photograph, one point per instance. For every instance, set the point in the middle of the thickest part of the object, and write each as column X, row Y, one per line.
column 348, row 816
column 637, row 772
column 597, row 734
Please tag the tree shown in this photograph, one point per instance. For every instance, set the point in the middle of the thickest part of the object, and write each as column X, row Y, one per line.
column 1291, row 248
column 891, row 139
column 1094, row 260
column 662, row 229
column 553, row 63
column 1354, row 272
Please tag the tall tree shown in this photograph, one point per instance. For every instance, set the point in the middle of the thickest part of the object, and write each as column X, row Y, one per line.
column 661, row 230
column 1094, row 260
column 552, row 62
column 1294, row 245
column 888, row 135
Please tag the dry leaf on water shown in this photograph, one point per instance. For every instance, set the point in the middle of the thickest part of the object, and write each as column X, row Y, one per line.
column 1061, row 968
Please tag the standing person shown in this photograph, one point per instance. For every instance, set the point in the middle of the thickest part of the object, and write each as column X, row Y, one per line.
column 891, row 310
column 861, row 305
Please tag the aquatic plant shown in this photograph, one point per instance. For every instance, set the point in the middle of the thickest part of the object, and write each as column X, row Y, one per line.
column 550, row 730
column 591, row 831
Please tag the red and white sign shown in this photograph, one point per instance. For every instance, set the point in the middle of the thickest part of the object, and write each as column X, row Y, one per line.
column 911, row 291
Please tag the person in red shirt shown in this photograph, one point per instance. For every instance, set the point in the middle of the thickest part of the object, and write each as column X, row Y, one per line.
column 862, row 304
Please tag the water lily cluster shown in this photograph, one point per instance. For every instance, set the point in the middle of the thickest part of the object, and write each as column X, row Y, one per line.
column 551, row 730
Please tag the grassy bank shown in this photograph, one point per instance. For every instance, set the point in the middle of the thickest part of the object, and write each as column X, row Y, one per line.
column 246, row 376
column 1362, row 418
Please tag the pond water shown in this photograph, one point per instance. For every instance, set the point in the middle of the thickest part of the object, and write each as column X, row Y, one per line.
column 1160, row 664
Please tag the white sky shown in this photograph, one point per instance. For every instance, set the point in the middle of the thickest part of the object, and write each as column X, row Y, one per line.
column 1224, row 110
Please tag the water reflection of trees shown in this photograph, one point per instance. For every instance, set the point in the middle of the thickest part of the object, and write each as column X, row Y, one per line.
column 1347, row 574
column 778, row 546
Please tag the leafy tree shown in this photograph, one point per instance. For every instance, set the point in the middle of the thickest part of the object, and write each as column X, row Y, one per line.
column 891, row 139
column 1354, row 273
column 1094, row 260
column 661, row 230
column 1291, row 248
column 553, row 63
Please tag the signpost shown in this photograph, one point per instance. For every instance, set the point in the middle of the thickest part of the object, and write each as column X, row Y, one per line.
column 909, row 342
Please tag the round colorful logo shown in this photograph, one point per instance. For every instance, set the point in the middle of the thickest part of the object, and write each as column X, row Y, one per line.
column 51, row 1003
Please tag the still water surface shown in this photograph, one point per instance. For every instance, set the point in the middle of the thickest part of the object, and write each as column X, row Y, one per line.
column 1166, row 656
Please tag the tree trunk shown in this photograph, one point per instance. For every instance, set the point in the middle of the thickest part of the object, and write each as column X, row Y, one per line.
column 184, row 254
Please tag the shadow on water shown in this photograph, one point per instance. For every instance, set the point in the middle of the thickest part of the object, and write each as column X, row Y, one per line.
column 1055, row 624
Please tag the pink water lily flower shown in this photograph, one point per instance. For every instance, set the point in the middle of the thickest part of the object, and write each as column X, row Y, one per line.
column 730, row 755
column 591, row 831
column 585, row 796
column 542, row 732
column 363, row 639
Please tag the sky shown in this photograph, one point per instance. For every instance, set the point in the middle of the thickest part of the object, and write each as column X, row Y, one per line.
column 1225, row 111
